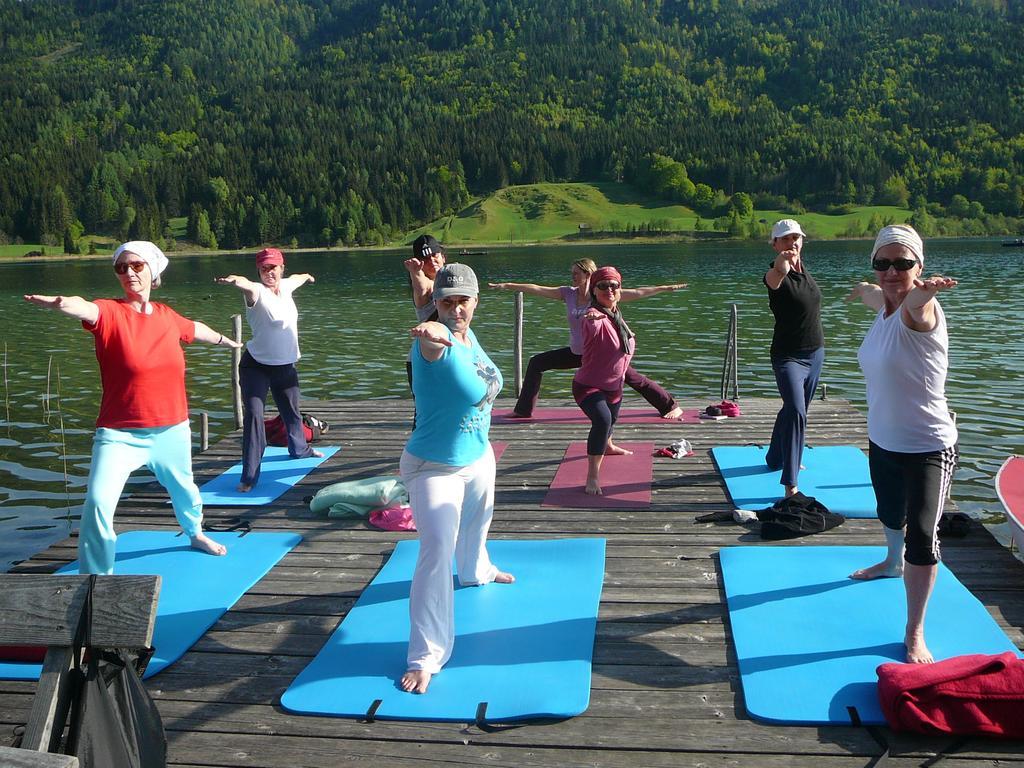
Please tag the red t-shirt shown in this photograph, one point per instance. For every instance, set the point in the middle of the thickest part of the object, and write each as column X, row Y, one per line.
column 142, row 365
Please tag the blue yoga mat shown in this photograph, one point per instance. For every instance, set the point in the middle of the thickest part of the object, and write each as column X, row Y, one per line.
column 196, row 588
column 808, row 638
column 279, row 473
column 524, row 649
column 837, row 476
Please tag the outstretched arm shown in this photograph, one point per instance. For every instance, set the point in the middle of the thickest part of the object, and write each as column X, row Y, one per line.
column 869, row 293
column 299, row 279
column 248, row 288
column 422, row 285
column 433, row 339
column 919, row 305
column 72, row 306
column 544, row 291
column 206, row 334
column 632, row 294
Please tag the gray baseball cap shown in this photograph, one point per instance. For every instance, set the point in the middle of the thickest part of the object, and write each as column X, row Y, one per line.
column 455, row 280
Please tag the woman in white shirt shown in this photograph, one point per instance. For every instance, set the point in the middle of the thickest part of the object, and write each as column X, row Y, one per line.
column 912, row 436
column 268, row 362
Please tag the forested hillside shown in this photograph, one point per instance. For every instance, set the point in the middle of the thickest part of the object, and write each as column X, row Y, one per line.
column 351, row 121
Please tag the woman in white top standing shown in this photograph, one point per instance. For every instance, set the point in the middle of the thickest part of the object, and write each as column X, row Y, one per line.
column 912, row 448
column 268, row 362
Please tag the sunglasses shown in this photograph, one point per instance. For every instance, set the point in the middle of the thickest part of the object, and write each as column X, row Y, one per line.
column 900, row 265
column 602, row 286
column 122, row 267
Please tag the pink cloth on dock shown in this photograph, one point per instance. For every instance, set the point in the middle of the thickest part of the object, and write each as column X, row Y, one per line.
column 625, row 480
column 573, row 415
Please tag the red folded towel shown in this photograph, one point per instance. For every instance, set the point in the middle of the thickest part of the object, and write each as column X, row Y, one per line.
column 28, row 653
column 969, row 695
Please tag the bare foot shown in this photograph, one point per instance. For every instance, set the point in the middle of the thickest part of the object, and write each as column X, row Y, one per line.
column 317, row 454
column 243, row 488
column 593, row 488
column 676, row 413
column 204, row 543
column 613, row 450
column 791, row 490
column 917, row 651
column 504, row 578
column 882, row 570
column 415, row 681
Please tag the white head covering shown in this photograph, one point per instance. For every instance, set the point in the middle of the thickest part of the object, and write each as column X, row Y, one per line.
column 903, row 234
column 785, row 227
column 148, row 252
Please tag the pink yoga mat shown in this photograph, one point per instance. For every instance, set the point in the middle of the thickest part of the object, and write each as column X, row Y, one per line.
column 625, row 480
column 573, row 415
column 498, row 446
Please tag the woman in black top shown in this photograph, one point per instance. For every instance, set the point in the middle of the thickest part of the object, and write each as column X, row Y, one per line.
column 798, row 347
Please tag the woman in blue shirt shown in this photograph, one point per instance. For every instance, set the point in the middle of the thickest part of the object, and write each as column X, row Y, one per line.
column 448, row 470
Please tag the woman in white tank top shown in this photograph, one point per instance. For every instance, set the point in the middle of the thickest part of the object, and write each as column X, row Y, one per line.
column 912, row 450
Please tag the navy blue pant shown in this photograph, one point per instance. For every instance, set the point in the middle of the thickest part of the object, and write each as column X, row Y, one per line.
column 797, row 378
column 255, row 379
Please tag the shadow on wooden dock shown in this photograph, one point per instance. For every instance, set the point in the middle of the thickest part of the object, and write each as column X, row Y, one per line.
column 665, row 689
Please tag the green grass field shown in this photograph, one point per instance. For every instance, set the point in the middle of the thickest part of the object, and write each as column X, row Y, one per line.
column 551, row 212
column 545, row 212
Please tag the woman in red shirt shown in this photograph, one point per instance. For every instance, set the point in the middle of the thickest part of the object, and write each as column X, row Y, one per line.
column 143, row 418
column 608, row 346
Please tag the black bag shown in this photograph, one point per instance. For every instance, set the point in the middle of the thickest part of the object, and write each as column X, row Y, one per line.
column 114, row 722
column 794, row 516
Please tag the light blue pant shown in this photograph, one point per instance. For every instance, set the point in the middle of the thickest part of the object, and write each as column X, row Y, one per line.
column 116, row 453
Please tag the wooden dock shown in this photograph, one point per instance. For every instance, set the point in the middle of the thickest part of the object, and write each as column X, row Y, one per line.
column 665, row 689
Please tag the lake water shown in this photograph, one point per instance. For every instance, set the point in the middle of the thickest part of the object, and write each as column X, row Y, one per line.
column 354, row 334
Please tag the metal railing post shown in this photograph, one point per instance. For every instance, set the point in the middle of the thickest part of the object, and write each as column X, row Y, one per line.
column 517, row 342
column 730, row 360
column 236, row 357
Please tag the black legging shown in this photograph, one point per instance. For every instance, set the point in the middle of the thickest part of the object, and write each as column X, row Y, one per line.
column 563, row 359
column 910, row 489
column 602, row 415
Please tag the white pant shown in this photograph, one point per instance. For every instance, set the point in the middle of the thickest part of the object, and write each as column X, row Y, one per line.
column 452, row 507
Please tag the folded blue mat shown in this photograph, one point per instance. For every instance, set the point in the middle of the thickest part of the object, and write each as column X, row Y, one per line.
column 808, row 638
column 279, row 473
column 524, row 649
column 196, row 588
column 837, row 476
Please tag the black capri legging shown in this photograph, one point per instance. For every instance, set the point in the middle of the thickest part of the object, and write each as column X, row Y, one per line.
column 603, row 415
column 911, row 490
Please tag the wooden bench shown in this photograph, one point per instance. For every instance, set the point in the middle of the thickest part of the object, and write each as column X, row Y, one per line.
column 44, row 610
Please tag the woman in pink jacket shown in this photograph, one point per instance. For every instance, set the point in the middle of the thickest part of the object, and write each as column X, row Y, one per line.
column 608, row 346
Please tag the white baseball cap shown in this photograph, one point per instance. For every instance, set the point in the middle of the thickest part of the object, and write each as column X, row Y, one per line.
column 785, row 227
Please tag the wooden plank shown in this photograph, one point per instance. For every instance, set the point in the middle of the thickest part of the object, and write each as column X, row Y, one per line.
column 22, row 758
column 44, row 610
column 665, row 688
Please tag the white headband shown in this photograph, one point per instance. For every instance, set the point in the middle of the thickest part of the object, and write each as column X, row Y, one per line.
column 901, row 234
column 148, row 252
